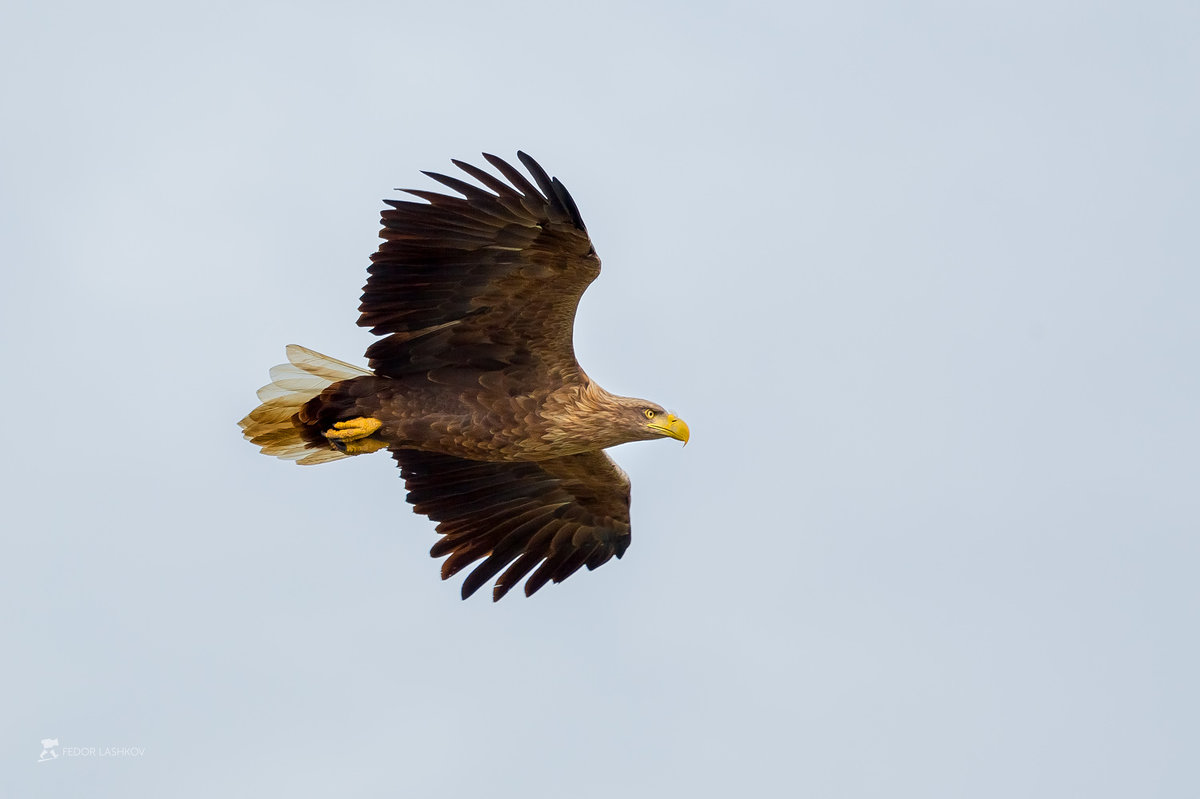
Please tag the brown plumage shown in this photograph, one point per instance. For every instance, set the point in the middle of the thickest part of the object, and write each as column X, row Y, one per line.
column 474, row 387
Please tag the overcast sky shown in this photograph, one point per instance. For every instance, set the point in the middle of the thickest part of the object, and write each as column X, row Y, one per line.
column 922, row 278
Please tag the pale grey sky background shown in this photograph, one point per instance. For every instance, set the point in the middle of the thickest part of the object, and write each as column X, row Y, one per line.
column 922, row 277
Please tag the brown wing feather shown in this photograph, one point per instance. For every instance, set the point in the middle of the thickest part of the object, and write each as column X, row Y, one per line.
column 488, row 280
column 547, row 517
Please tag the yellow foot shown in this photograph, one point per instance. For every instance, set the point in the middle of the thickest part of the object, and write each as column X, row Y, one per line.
column 360, row 447
column 347, row 436
column 353, row 429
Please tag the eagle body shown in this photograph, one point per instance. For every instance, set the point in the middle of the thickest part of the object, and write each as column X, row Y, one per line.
column 458, row 415
column 473, row 386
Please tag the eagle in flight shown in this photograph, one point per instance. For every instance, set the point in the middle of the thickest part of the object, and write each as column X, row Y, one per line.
column 474, row 388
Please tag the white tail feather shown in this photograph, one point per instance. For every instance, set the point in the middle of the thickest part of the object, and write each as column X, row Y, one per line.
column 292, row 385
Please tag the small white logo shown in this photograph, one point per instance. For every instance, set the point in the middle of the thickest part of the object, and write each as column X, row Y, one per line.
column 48, row 751
column 51, row 751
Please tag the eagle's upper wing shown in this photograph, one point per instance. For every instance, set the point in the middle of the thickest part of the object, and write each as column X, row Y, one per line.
column 554, row 515
column 483, row 281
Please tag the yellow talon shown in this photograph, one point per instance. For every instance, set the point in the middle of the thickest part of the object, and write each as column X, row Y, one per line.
column 353, row 429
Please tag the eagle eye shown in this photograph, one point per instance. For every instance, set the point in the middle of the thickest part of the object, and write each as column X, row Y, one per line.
column 649, row 413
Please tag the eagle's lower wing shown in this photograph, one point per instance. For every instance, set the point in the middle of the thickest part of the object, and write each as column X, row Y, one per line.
column 489, row 280
column 547, row 517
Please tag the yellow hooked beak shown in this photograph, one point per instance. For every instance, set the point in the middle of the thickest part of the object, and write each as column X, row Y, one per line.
column 672, row 426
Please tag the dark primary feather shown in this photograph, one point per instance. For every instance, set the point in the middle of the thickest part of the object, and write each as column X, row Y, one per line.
column 553, row 187
column 548, row 517
column 498, row 271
